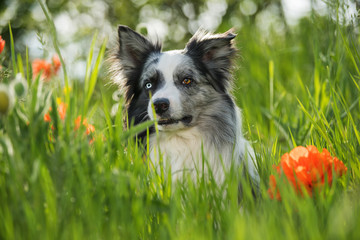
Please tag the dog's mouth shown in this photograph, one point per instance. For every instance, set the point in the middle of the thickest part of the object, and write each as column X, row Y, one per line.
column 168, row 121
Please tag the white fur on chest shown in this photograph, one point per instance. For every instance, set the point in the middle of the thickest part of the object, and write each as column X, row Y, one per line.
column 184, row 151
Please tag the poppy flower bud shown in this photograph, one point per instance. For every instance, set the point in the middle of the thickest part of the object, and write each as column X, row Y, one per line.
column 20, row 86
column 6, row 99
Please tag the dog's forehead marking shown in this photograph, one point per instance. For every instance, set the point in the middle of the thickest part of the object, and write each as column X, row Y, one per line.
column 152, row 60
column 169, row 62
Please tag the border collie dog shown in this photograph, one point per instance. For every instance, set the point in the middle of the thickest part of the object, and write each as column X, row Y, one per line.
column 188, row 93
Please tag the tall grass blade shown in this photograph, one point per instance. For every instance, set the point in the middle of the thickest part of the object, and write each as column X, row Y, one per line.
column 88, row 63
column 94, row 75
column 349, row 51
column 20, row 65
column 107, row 115
column 28, row 76
column 56, row 45
column 13, row 56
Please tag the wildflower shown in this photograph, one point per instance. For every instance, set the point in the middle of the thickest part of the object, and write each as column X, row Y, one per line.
column 62, row 110
column 77, row 123
column 67, row 90
column 19, row 86
column 47, row 117
column 43, row 67
column 2, row 44
column 6, row 99
column 307, row 168
column 62, row 107
column 47, row 69
column 56, row 63
column 89, row 127
column 273, row 189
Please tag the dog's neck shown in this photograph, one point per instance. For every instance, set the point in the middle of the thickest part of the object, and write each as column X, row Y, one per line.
column 185, row 151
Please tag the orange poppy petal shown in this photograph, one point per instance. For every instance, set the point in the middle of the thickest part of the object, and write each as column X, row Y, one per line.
column 2, row 44
column 47, row 117
column 307, row 168
column 89, row 129
column 77, row 123
column 62, row 110
column 298, row 153
column 273, row 190
column 43, row 66
column 56, row 63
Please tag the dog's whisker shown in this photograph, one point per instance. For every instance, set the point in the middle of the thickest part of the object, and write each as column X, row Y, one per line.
column 145, row 117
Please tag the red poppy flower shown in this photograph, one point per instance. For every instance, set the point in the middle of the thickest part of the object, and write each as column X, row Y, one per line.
column 2, row 44
column 89, row 127
column 47, row 69
column 56, row 63
column 47, row 117
column 62, row 110
column 43, row 66
column 77, row 123
column 306, row 168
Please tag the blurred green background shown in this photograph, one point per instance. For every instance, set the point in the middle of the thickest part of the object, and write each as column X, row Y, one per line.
column 286, row 47
column 173, row 22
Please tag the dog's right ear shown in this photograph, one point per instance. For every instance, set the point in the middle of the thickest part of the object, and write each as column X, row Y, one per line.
column 129, row 58
column 134, row 48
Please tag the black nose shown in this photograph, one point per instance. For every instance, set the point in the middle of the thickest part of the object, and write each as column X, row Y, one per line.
column 161, row 105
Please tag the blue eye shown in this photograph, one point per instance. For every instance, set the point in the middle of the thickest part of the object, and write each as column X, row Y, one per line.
column 148, row 85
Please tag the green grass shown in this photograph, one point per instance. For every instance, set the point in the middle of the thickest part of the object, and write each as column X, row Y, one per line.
column 298, row 89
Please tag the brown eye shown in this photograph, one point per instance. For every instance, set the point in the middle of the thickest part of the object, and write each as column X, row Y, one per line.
column 187, row 81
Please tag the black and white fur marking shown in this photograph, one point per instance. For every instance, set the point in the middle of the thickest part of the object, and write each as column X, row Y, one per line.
column 190, row 92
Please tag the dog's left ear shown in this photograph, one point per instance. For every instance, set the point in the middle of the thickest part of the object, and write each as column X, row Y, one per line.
column 215, row 52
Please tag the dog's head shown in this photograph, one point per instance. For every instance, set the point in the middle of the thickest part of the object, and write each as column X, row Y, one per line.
column 178, row 88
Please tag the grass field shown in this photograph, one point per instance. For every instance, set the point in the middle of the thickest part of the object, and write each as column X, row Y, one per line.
column 300, row 87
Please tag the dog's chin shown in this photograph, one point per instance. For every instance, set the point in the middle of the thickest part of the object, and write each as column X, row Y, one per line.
column 173, row 124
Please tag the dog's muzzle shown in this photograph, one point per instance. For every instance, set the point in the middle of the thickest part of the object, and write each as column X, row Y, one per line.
column 185, row 120
column 161, row 107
